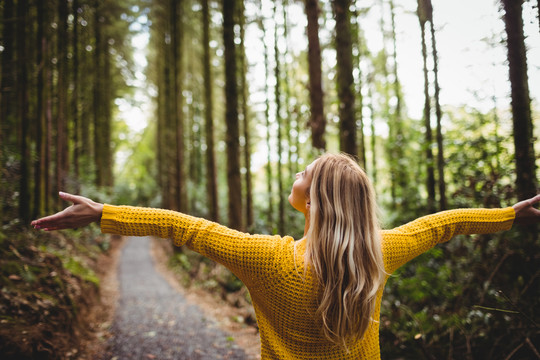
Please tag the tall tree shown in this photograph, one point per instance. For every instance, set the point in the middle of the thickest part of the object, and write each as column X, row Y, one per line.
column 345, row 79
column 279, row 120
column 176, row 102
column 438, row 113
column 373, row 143
column 40, row 174
column 22, row 103
column 7, row 94
column 7, row 72
column 287, row 95
column 98, row 94
column 246, row 117
column 526, row 182
column 358, row 53
column 62, row 160
column 231, row 117
column 269, row 180
column 317, row 119
column 398, row 136
column 211, row 176
column 76, row 128
column 423, row 12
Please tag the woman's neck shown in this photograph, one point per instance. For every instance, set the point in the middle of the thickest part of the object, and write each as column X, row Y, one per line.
column 306, row 225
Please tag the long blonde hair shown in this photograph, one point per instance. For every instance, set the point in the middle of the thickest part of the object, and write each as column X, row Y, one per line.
column 343, row 247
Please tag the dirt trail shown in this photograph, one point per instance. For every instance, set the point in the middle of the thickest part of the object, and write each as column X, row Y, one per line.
column 153, row 320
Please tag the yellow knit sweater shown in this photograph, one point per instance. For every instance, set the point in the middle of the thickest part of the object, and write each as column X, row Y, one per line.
column 273, row 270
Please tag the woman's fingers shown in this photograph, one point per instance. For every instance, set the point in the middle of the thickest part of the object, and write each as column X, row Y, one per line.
column 76, row 215
column 526, row 213
column 76, row 199
column 48, row 221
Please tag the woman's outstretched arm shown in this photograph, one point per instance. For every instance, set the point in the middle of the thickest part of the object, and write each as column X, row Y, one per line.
column 404, row 243
column 250, row 257
column 81, row 213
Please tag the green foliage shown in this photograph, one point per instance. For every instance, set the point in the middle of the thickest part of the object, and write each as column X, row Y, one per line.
column 137, row 172
column 475, row 296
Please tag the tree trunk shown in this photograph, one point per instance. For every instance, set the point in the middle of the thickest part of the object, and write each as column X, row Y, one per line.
column 76, row 129
column 270, row 211
column 7, row 97
column 211, row 184
column 7, row 94
column 39, row 162
column 357, row 40
column 279, row 120
column 97, row 95
column 422, row 16
column 231, row 116
column 317, row 121
column 438, row 114
column 62, row 164
column 400, row 168
column 22, row 104
column 386, row 113
column 287, row 98
column 247, row 134
column 345, row 80
column 373, row 143
column 176, row 44
column 105, row 131
column 526, row 182
column 50, row 197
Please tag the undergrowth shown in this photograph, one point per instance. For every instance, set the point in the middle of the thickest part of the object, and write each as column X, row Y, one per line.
column 47, row 284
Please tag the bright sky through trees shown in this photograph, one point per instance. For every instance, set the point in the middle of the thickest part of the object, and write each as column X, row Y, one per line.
column 472, row 54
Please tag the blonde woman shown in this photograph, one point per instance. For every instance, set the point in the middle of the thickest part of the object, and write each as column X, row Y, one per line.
column 319, row 297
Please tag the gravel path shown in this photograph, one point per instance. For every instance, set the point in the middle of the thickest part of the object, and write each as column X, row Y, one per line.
column 154, row 321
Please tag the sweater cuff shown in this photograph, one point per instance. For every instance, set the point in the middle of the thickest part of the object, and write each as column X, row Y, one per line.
column 509, row 215
column 108, row 218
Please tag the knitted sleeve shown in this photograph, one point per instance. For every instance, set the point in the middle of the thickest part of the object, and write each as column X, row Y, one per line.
column 410, row 240
column 250, row 257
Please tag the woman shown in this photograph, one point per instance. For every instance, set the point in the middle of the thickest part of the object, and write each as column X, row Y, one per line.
column 319, row 297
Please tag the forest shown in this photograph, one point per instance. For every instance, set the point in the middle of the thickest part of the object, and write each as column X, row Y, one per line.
column 212, row 107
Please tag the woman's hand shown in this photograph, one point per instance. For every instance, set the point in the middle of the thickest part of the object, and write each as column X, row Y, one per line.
column 526, row 213
column 83, row 212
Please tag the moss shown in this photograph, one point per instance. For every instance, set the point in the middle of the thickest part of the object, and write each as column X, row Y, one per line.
column 78, row 269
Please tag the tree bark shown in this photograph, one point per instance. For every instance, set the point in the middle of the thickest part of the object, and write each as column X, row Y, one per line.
column 176, row 44
column 97, row 96
column 430, row 182
column 76, row 129
column 345, row 80
column 7, row 96
column 22, row 104
column 245, row 113
column 211, row 184
column 7, row 93
column 317, row 120
column 438, row 114
column 526, row 182
column 231, row 116
column 62, row 163
column 269, row 187
column 279, row 120
column 39, row 162
column 400, row 168
column 357, row 41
